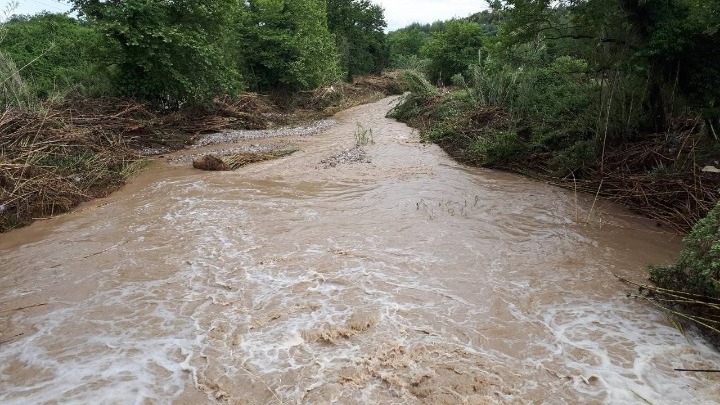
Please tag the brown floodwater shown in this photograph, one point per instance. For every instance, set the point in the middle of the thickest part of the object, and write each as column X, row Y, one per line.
column 408, row 279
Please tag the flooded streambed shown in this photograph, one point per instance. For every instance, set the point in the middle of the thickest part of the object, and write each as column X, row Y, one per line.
column 402, row 277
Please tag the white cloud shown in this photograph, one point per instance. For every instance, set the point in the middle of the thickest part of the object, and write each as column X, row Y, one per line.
column 400, row 13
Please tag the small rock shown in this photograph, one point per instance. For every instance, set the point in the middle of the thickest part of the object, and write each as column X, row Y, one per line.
column 210, row 162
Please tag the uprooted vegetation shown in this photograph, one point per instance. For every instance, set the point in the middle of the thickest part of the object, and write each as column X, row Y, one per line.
column 237, row 160
column 46, row 169
column 57, row 155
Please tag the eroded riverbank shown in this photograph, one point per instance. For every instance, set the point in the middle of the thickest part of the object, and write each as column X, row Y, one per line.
column 400, row 278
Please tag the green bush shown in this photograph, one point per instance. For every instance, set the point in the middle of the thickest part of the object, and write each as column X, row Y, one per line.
column 358, row 27
column 453, row 50
column 497, row 148
column 56, row 54
column 405, row 44
column 174, row 53
column 289, row 47
column 698, row 269
column 558, row 100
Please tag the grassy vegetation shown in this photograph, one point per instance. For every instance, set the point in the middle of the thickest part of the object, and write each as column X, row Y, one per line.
column 363, row 136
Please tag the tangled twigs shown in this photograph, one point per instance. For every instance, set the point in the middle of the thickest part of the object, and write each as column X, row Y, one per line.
column 48, row 166
column 57, row 157
column 697, row 309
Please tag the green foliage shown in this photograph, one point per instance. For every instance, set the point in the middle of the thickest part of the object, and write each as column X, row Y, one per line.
column 497, row 148
column 418, row 84
column 453, row 50
column 410, row 62
column 557, row 100
column 358, row 27
column 55, row 54
column 679, row 40
column 668, row 51
column 405, row 44
column 289, row 45
column 698, row 269
column 179, row 52
column 420, row 93
column 187, row 52
column 13, row 92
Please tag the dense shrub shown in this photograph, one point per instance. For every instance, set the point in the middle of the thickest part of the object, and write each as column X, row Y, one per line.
column 55, row 54
column 288, row 45
column 698, row 269
column 358, row 29
column 452, row 50
column 174, row 53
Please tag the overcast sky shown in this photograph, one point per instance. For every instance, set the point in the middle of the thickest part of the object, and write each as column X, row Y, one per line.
column 398, row 13
column 35, row 6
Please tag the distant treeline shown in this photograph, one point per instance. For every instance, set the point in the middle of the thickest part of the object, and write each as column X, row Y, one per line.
column 185, row 52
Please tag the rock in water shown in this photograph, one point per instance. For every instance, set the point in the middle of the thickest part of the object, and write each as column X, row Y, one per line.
column 210, row 162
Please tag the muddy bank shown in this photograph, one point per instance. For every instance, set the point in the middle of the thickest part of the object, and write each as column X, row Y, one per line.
column 408, row 279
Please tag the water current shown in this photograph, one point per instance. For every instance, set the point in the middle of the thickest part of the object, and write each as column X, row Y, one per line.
column 402, row 278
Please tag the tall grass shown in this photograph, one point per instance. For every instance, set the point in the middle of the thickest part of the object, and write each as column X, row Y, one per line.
column 13, row 91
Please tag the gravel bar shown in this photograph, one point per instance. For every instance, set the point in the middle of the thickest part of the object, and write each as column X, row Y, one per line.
column 245, row 134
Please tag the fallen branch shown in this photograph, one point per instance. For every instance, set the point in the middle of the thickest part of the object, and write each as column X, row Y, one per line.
column 676, row 303
column 21, row 308
column 11, row 338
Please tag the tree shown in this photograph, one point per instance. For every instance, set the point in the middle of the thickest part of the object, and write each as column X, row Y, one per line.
column 671, row 48
column 405, row 43
column 358, row 26
column 289, row 45
column 453, row 50
column 173, row 52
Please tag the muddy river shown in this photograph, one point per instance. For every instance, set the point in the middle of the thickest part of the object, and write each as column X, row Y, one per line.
column 393, row 275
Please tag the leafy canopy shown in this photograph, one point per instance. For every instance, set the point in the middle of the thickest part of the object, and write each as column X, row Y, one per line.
column 358, row 26
column 453, row 50
column 172, row 51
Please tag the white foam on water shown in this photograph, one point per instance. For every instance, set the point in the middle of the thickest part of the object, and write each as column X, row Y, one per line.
column 629, row 354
